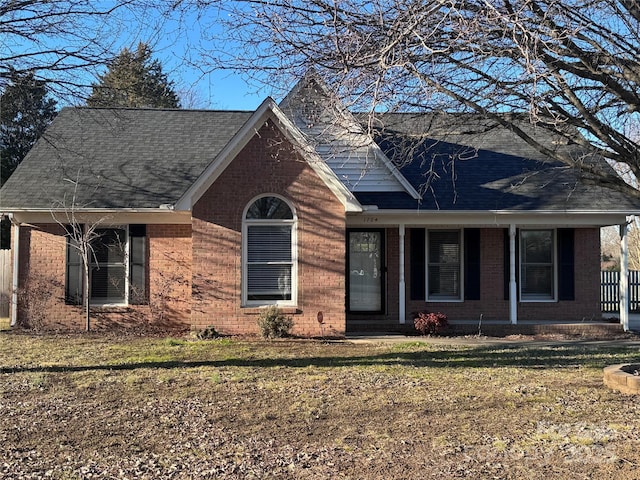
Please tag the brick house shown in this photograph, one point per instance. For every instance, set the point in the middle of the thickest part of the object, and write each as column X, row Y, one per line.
column 205, row 217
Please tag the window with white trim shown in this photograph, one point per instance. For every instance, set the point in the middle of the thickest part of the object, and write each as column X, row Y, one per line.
column 117, row 267
column 269, row 256
column 444, row 265
column 108, row 272
column 537, row 265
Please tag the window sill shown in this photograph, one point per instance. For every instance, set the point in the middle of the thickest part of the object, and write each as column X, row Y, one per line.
column 255, row 310
column 541, row 300
column 109, row 307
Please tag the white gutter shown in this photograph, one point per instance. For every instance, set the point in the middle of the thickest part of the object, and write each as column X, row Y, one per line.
column 163, row 214
column 486, row 219
column 415, row 211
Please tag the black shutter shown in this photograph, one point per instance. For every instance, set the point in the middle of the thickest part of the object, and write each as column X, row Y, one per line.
column 74, row 275
column 566, row 262
column 472, row 264
column 137, row 230
column 138, row 265
column 417, row 264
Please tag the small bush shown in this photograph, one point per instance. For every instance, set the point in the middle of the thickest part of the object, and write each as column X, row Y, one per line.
column 36, row 299
column 274, row 324
column 429, row 323
column 208, row 333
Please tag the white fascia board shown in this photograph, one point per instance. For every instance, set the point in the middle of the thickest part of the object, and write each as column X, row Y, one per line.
column 104, row 216
column 268, row 109
column 498, row 218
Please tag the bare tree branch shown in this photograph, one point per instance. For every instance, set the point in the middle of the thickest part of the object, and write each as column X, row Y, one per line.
column 66, row 42
column 570, row 67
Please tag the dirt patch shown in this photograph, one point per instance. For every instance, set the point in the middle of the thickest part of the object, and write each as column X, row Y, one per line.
column 79, row 407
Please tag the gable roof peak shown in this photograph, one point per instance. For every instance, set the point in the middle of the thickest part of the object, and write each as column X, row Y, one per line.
column 340, row 139
column 268, row 110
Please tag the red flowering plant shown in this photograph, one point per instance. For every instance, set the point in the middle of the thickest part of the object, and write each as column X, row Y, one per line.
column 429, row 323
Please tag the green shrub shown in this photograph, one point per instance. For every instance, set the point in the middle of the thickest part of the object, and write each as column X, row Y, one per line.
column 273, row 323
column 208, row 333
column 429, row 323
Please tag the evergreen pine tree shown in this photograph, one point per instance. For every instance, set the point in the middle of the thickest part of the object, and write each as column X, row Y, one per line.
column 133, row 79
column 25, row 111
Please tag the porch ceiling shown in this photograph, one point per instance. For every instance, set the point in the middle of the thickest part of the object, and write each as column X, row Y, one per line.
column 485, row 219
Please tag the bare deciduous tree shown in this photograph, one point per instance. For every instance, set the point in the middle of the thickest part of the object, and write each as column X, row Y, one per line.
column 610, row 246
column 60, row 41
column 82, row 231
column 569, row 67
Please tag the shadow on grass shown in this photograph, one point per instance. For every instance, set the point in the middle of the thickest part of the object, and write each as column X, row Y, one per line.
column 574, row 356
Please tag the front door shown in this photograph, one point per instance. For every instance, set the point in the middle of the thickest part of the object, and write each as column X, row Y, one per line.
column 365, row 272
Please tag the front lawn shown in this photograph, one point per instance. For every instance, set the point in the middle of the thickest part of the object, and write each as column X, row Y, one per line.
column 86, row 406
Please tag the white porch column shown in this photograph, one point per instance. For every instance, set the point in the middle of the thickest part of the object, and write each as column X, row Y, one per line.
column 402, row 291
column 624, row 277
column 513, row 287
column 14, row 281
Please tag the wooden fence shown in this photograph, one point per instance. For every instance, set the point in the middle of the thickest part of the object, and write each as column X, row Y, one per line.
column 610, row 293
column 5, row 282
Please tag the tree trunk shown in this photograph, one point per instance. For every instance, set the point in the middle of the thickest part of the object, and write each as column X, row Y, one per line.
column 86, row 297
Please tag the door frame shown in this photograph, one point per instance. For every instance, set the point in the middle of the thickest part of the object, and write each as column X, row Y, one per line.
column 383, row 272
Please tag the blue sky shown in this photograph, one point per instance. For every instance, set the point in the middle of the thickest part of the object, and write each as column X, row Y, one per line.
column 175, row 43
column 172, row 43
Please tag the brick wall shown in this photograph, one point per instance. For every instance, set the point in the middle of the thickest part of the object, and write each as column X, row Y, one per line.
column 42, row 282
column 268, row 164
column 42, row 262
column 492, row 304
column 169, row 282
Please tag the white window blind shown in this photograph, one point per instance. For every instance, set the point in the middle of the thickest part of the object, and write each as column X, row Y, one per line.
column 108, row 266
column 537, row 271
column 269, row 262
column 444, row 277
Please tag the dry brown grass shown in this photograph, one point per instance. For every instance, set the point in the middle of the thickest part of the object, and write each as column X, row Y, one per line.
column 5, row 323
column 77, row 407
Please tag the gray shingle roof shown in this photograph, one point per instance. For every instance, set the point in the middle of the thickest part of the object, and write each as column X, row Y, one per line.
column 122, row 158
column 464, row 163
column 144, row 158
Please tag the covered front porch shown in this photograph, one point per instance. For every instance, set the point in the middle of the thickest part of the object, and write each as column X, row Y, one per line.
column 495, row 272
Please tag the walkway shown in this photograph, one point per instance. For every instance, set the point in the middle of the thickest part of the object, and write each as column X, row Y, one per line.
column 627, row 340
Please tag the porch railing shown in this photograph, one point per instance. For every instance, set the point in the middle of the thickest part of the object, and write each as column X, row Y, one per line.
column 610, row 293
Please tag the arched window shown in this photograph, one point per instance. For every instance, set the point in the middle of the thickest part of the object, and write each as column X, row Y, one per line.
column 269, row 253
